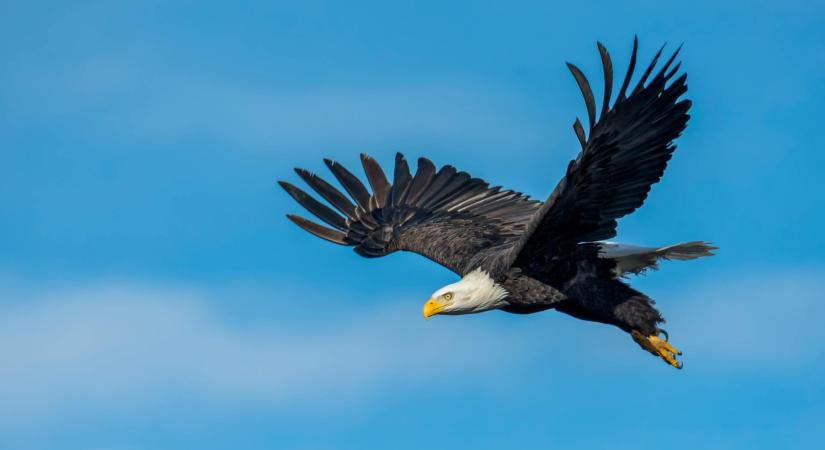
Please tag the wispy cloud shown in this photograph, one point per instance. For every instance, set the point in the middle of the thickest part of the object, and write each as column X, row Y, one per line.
column 118, row 346
column 115, row 346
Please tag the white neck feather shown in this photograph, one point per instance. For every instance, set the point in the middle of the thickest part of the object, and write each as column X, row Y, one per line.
column 484, row 291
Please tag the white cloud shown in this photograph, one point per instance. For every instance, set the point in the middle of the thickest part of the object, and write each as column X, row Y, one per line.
column 115, row 346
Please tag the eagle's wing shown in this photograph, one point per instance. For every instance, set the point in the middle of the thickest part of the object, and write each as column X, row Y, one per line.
column 624, row 154
column 444, row 215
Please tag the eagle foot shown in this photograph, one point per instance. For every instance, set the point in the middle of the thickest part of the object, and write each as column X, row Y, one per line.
column 658, row 347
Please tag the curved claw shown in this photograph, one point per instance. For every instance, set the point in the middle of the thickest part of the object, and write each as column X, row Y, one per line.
column 663, row 331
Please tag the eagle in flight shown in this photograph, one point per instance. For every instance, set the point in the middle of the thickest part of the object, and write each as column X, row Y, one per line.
column 520, row 255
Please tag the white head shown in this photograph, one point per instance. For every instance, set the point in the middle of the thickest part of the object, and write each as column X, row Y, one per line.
column 474, row 293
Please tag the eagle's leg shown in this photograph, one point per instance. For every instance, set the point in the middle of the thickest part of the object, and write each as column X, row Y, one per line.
column 658, row 347
column 614, row 302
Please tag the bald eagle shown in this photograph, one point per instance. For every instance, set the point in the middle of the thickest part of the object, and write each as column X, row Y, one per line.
column 520, row 255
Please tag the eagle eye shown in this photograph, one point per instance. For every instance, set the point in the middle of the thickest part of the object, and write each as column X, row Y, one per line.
column 448, row 296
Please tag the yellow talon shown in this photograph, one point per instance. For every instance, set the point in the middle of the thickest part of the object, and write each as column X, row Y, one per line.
column 669, row 347
column 658, row 347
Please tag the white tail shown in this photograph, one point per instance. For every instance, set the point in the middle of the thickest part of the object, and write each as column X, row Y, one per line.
column 635, row 259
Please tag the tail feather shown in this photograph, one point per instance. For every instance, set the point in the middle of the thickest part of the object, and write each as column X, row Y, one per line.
column 687, row 250
column 637, row 260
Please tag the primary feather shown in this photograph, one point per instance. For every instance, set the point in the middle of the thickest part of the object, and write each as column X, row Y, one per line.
column 446, row 216
column 625, row 153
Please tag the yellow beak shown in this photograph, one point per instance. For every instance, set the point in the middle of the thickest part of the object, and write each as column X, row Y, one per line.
column 433, row 307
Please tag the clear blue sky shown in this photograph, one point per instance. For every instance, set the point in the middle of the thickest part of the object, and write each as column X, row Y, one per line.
column 153, row 296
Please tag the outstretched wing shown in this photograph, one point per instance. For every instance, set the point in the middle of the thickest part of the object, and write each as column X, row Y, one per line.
column 445, row 215
column 623, row 155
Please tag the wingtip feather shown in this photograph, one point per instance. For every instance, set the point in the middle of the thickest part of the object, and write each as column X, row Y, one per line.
column 607, row 68
column 320, row 231
column 587, row 93
column 630, row 68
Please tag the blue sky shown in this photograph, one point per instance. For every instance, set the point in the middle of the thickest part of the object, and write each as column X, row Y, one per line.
column 153, row 296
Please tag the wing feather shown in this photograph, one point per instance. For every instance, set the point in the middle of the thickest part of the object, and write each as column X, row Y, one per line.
column 446, row 216
column 630, row 68
column 351, row 184
column 317, row 208
column 329, row 193
column 587, row 93
column 424, row 175
column 322, row 232
column 378, row 181
column 400, row 181
column 607, row 65
column 625, row 153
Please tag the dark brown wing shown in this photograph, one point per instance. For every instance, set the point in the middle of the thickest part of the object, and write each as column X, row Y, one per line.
column 445, row 215
column 624, row 154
